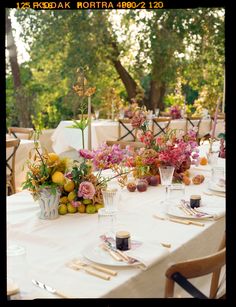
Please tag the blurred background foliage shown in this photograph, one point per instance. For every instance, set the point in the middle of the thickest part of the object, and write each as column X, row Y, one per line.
column 157, row 58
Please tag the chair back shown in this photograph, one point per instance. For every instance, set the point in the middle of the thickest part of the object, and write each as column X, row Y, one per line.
column 11, row 145
column 160, row 125
column 123, row 144
column 21, row 133
column 125, row 131
column 194, row 121
column 195, row 268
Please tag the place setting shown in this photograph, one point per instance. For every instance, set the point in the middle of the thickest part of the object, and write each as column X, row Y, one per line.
column 198, row 207
column 124, row 251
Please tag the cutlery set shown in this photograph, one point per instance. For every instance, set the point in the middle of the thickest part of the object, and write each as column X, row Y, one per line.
column 214, row 194
column 180, row 221
column 48, row 288
column 186, row 208
column 92, row 269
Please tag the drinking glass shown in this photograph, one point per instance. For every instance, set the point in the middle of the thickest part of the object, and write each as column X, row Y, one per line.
column 17, row 268
column 166, row 174
column 110, row 199
column 106, row 223
column 218, row 175
column 213, row 158
column 122, row 114
column 157, row 111
column 97, row 114
column 177, row 191
column 149, row 114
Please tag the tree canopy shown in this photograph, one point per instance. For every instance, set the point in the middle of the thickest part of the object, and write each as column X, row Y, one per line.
column 141, row 54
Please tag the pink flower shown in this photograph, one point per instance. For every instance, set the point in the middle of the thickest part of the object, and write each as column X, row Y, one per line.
column 175, row 112
column 86, row 154
column 138, row 119
column 86, row 190
column 69, row 175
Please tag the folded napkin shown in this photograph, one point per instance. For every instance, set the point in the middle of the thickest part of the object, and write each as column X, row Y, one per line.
column 213, row 205
column 148, row 254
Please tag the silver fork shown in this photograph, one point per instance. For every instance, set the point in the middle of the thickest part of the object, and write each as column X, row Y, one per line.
column 191, row 211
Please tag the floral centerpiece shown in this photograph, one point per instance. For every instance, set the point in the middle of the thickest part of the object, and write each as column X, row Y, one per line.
column 85, row 181
column 72, row 186
column 175, row 112
column 174, row 148
column 44, row 179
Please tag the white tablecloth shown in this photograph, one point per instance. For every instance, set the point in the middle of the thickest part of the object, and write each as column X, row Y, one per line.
column 51, row 244
column 66, row 139
column 21, row 157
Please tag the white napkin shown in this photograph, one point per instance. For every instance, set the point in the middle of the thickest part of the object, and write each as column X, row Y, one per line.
column 213, row 205
column 148, row 254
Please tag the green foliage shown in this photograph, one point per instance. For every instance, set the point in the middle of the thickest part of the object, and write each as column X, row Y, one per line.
column 165, row 44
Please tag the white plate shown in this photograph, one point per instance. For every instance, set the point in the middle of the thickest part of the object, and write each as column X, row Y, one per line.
column 215, row 187
column 174, row 210
column 96, row 254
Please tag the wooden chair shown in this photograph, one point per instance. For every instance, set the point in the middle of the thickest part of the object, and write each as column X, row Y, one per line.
column 10, row 165
column 160, row 125
column 21, row 133
column 194, row 121
column 165, row 114
column 182, row 271
column 123, row 144
column 125, row 130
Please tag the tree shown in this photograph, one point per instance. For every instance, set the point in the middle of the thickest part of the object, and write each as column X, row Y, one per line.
column 142, row 57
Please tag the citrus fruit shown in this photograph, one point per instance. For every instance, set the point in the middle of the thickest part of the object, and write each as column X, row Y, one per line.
column 69, row 185
column 71, row 196
column 186, row 180
column 98, row 206
column 52, row 157
column 81, row 208
column 62, row 209
column 71, row 208
column 203, row 161
column 63, row 200
column 58, row 178
column 87, row 201
column 186, row 173
column 90, row 209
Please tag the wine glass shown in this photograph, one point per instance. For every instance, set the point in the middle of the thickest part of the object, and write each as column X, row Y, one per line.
column 166, row 174
column 96, row 113
column 157, row 111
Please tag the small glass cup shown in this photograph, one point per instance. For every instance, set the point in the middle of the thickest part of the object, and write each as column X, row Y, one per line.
column 17, row 268
column 122, row 114
column 157, row 111
column 96, row 113
column 213, row 158
column 106, row 223
column 218, row 175
column 177, row 191
column 110, row 199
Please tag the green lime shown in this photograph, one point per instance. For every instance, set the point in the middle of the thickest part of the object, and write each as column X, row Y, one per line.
column 87, row 201
column 71, row 196
column 71, row 208
column 98, row 206
column 62, row 209
column 81, row 208
column 90, row 209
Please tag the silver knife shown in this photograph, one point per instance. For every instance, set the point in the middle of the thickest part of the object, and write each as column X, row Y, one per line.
column 48, row 288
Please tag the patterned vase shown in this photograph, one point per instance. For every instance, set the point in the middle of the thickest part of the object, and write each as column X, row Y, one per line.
column 48, row 203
